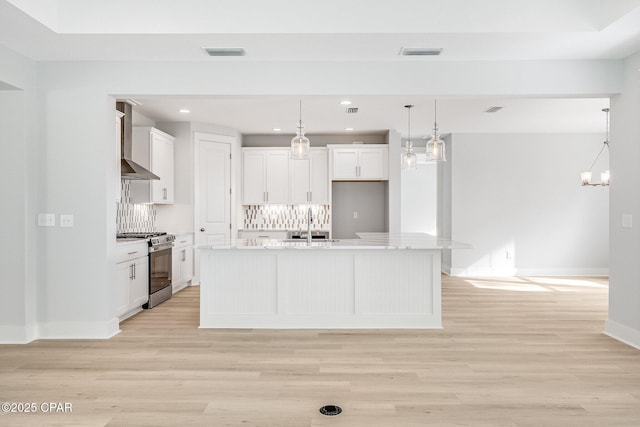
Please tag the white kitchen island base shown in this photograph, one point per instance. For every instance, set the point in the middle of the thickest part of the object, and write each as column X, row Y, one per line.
column 320, row 287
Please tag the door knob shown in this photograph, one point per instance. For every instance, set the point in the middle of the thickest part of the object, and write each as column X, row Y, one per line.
column 202, row 229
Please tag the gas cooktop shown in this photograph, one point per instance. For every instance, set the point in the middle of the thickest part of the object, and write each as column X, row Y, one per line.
column 141, row 235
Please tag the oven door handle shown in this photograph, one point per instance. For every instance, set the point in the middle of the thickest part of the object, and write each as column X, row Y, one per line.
column 161, row 247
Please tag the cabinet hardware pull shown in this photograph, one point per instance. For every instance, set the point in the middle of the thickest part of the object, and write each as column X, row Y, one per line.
column 131, row 253
column 134, row 271
column 184, row 255
column 183, row 241
column 131, row 271
column 164, row 193
column 202, row 229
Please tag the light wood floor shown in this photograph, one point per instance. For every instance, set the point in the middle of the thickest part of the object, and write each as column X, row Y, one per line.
column 513, row 352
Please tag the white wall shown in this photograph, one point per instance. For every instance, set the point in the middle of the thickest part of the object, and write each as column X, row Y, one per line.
column 18, row 189
column 517, row 199
column 419, row 199
column 624, row 288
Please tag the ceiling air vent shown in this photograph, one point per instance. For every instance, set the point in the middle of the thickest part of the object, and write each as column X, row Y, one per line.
column 351, row 110
column 421, row 51
column 493, row 109
column 224, row 51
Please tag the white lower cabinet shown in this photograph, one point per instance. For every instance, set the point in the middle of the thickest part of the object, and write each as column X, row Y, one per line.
column 132, row 279
column 182, row 261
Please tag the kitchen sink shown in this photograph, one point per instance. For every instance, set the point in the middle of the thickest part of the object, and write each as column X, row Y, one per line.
column 305, row 240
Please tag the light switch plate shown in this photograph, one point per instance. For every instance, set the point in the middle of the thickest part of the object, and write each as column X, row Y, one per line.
column 627, row 221
column 47, row 220
column 66, row 220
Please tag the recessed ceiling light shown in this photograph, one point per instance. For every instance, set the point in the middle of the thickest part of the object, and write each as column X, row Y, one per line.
column 277, row 129
column 421, row 51
column 348, row 129
column 345, row 102
column 184, row 111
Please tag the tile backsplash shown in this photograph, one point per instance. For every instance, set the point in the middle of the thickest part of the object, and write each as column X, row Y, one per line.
column 131, row 217
column 285, row 217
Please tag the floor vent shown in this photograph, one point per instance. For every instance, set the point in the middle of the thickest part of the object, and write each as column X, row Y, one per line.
column 330, row 410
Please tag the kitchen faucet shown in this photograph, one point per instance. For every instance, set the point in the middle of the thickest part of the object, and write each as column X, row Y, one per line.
column 309, row 222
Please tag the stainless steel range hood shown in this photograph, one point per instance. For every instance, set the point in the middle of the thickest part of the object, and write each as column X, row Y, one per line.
column 128, row 168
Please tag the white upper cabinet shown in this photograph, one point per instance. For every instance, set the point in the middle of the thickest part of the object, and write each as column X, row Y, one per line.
column 309, row 178
column 362, row 163
column 265, row 173
column 153, row 149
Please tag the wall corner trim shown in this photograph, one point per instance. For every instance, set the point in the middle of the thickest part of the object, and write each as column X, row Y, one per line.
column 622, row 333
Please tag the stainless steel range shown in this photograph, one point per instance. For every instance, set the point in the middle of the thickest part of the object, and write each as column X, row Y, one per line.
column 160, row 248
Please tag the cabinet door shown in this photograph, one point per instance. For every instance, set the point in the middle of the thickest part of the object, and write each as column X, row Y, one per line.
column 372, row 164
column 176, row 260
column 300, row 177
column 319, row 177
column 277, row 177
column 345, row 162
column 162, row 165
column 186, row 267
column 124, row 273
column 253, row 188
column 139, row 290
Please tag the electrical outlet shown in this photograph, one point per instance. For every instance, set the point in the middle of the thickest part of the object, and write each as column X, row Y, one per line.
column 355, row 215
column 627, row 221
column 47, row 220
column 66, row 220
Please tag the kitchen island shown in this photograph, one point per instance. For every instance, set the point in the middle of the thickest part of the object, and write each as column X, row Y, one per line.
column 380, row 280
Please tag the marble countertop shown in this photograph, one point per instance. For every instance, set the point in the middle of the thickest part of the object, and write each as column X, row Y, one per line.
column 366, row 241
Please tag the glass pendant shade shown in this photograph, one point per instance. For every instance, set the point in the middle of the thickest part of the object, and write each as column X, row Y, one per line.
column 408, row 158
column 436, row 148
column 300, row 145
column 586, row 177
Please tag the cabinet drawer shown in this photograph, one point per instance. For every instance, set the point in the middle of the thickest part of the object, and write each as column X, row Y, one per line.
column 130, row 251
column 183, row 240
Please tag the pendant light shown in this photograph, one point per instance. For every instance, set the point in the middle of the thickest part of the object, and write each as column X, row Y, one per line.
column 408, row 158
column 300, row 143
column 435, row 146
column 604, row 176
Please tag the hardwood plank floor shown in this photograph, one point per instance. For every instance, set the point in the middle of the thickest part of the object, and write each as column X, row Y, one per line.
column 513, row 352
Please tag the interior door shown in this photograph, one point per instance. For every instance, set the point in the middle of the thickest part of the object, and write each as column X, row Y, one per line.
column 215, row 191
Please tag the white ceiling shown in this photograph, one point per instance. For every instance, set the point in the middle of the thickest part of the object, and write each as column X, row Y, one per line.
column 325, row 114
column 337, row 30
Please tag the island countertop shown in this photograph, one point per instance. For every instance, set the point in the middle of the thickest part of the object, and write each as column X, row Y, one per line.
column 397, row 241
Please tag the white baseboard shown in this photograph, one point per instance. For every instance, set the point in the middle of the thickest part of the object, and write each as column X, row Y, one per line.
column 489, row 272
column 79, row 330
column 17, row 334
column 622, row 333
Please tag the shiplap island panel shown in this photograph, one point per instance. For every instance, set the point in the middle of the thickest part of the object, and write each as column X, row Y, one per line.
column 379, row 281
